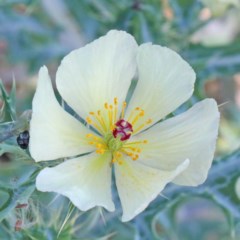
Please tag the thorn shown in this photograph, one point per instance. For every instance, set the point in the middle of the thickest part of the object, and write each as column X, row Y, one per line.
column 160, row 194
column 102, row 216
column 223, row 104
column 53, row 200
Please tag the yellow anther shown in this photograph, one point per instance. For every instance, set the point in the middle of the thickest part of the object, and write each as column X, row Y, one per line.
column 120, row 162
column 99, row 145
column 89, row 135
column 115, row 101
column 91, row 143
column 116, row 158
column 106, row 105
column 91, row 113
column 141, row 113
column 145, row 141
column 118, row 154
column 88, row 120
column 137, row 108
column 111, row 107
column 129, row 154
column 100, row 151
column 99, row 112
column 149, row 121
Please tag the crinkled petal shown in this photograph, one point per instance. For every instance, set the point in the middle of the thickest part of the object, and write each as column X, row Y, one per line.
column 165, row 82
column 191, row 135
column 53, row 132
column 97, row 73
column 138, row 185
column 86, row 181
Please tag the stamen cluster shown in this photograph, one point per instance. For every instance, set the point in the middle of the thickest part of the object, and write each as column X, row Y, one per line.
column 116, row 132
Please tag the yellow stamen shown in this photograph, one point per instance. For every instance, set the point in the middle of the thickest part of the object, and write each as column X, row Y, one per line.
column 104, row 122
column 88, row 120
column 149, row 121
column 100, row 151
column 94, row 137
column 123, row 109
column 137, row 142
column 133, row 112
column 99, row 145
column 126, row 152
column 106, row 105
column 132, row 148
column 118, row 154
column 135, row 157
column 120, row 162
column 89, row 135
column 142, row 126
column 95, row 124
column 117, row 158
column 97, row 127
column 101, row 120
column 141, row 114
column 115, row 109
column 110, row 116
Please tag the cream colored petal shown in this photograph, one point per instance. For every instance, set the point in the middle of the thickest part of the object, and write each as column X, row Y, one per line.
column 191, row 135
column 86, row 181
column 53, row 132
column 138, row 185
column 165, row 82
column 97, row 73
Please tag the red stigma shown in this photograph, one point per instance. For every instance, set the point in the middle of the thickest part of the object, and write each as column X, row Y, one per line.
column 123, row 130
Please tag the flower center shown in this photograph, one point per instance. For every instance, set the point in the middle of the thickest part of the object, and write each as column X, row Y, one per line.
column 115, row 131
column 122, row 130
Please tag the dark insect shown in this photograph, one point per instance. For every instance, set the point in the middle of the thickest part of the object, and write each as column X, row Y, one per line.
column 23, row 139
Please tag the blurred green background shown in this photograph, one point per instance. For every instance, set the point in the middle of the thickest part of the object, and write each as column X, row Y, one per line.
column 204, row 32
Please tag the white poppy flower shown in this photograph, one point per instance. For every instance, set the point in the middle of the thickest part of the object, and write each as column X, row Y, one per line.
column 146, row 155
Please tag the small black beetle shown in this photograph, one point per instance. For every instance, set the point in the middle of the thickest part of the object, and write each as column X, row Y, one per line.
column 23, row 139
